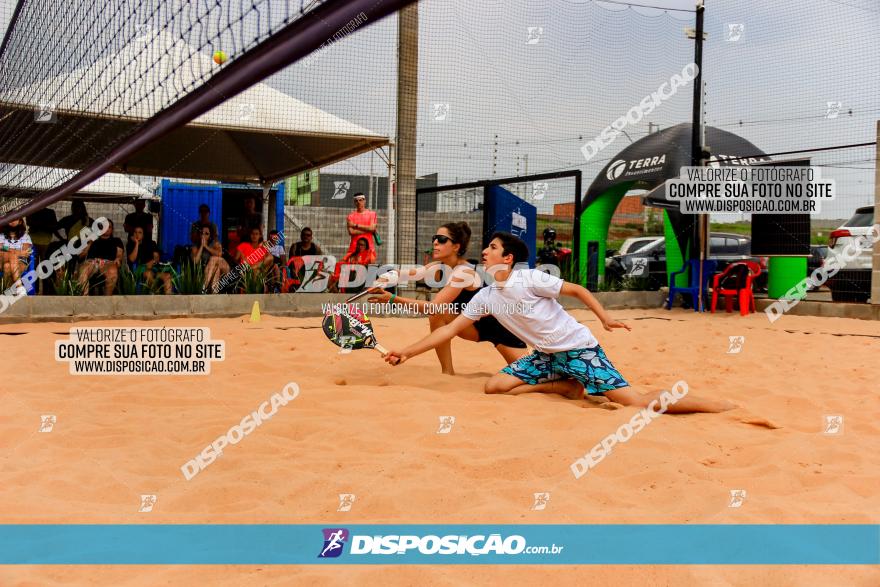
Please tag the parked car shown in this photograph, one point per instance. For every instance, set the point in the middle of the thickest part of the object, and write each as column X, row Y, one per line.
column 649, row 262
column 853, row 283
column 631, row 245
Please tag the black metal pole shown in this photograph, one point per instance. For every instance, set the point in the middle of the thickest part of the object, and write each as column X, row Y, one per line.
column 697, row 232
column 11, row 27
column 696, row 136
column 576, row 232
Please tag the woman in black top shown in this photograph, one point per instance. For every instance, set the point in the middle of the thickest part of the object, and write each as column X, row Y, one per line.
column 449, row 248
column 104, row 256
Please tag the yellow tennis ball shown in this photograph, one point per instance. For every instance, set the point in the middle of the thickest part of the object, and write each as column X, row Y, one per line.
column 220, row 57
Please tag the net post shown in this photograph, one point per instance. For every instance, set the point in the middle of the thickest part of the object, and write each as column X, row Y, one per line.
column 875, row 266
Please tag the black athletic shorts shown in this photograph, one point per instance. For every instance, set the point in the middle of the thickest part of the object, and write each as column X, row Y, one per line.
column 489, row 329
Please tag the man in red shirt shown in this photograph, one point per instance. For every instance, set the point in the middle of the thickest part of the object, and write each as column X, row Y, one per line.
column 361, row 224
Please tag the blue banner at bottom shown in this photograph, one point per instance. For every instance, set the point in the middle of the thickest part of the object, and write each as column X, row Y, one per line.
column 168, row 544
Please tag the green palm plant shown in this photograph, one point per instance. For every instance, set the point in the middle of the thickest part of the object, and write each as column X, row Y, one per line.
column 190, row 280
column 157, row 286
column 252, row 281
column 68, row 285
column 127, row 282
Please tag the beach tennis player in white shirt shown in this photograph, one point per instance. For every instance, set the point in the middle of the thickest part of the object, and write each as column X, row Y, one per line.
column 567, row 358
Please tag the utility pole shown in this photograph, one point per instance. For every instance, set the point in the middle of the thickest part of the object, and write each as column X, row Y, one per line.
column 699, row 238
column 402, row 181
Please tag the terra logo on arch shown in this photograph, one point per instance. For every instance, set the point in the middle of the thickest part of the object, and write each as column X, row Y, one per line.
column 616, row 169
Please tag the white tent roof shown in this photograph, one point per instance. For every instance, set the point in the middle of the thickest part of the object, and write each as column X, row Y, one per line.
column 27, row 179
column 259, row 135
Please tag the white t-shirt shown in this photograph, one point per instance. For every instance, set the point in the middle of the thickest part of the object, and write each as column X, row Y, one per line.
column 13, row 244
column 526, row 305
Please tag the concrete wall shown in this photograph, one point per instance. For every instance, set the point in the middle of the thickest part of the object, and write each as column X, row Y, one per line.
column 70, row 309
column 75, row 309
column 328, row 226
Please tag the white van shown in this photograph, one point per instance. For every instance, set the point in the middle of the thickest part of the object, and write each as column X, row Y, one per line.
column 853, row 283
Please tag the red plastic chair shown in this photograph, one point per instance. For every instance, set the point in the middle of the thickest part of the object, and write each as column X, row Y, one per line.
column 740, row 276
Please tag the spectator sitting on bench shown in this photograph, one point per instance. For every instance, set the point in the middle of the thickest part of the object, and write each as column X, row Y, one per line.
column 143, row 259
column 139, row 218
column 209, row 254
column 16, row 248
column 305, row 246
column 103, row 256
column 362, row 255
column 203, row 222
column 253, row 248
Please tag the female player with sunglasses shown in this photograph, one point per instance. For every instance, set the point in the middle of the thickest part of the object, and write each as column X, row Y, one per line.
column 449, row 248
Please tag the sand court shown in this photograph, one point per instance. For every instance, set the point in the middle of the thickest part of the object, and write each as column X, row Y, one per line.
column 361, row 427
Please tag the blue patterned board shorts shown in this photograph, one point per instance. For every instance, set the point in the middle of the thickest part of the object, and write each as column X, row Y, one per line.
column 590, row 366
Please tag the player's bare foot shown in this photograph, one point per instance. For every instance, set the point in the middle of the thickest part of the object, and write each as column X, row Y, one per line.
column 570, row 389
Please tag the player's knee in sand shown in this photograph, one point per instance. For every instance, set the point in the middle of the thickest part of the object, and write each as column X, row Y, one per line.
column 501, row 383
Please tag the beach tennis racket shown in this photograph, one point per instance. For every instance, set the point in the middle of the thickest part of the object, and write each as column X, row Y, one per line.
column 348, row 327
column 391, row 280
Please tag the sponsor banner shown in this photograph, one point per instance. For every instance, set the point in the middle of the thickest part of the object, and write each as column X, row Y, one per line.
column 750, row 190
column 837, row 544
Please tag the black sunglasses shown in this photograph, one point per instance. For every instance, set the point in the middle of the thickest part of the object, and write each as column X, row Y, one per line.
column 442, row 238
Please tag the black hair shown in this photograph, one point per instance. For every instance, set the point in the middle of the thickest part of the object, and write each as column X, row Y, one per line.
column 19, row 231
column 512, row 245
column 461, row 235
column 112, row 227
column 362, row 240
column 204, row 207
